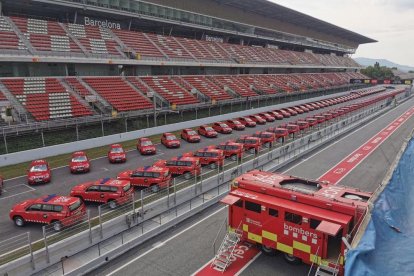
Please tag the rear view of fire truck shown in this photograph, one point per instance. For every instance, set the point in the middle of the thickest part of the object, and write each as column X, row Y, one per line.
column 307, row 220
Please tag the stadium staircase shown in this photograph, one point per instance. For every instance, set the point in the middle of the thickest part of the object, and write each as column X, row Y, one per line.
column 145, row 91
column 101, row 103
column 224, row 255
column 71, row 36
column 73, row 93
column 155, row 45
column 123, row 48
column 20, row 35
column 22, row 114
column 193, row 91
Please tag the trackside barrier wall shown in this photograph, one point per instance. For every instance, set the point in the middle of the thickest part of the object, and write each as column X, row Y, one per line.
column 149, row 213
column 387, row 243
column 39, row 153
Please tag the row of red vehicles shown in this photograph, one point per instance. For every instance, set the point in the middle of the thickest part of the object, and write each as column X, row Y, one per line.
column 57, row 209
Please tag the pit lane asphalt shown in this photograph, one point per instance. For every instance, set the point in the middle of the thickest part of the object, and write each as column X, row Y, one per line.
column 17, row 189
column 188, row 252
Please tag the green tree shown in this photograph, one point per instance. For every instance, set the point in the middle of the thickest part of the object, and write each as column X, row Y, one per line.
column 378, row 72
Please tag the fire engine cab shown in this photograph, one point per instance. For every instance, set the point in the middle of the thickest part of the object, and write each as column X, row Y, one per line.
column 307, row 220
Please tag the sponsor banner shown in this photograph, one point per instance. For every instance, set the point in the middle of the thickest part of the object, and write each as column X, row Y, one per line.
column 374, row 81
column 343, row 168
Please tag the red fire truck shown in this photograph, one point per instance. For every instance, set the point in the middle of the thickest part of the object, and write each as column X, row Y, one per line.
column 307, row 220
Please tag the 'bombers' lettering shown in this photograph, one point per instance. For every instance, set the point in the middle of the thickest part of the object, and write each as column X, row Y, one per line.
column 299, row 231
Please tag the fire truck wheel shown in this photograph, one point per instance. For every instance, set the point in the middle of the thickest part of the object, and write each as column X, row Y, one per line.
column 19, row 221
column 268, row 250
column 252, row 150
column 57, row 225
column 234, row 157
column 267, row 145
column 187, row 175
column 155, row 188
column 213, row 166
column 112, row 204
column 291, row 259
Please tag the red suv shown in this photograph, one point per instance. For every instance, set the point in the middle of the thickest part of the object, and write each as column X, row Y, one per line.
column 79, row 162
column 257, row 119
column 266, row 138
column 39, row 172
column 170, row 141
column 59, row 210
column 149, row 176
column 276, row 115
column 223, row 128
column 247, row 122
column 284, row 113
column 302, row 124
column 280, row 133
column 190, row 135
column 145, row 146
column 235, row 124
column 320, row 118
column 105, row 190
column 252, row 144
column 210, row 156
column 232, row 149
column 292, row 128
column 267, row 117
column 207, row 131
column 116, row 154
column 311, row 121
column 181, row 165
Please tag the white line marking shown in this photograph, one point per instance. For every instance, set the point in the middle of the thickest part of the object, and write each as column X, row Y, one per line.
column 153, row 156
column 325, row 148
column 248, row 264
column 165, row 241
column 13, row 195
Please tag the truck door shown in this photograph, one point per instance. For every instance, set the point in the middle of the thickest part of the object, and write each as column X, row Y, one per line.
column 235, row 210
column 331, row 239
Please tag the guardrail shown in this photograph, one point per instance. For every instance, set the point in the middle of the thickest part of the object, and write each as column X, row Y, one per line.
column 154, row 212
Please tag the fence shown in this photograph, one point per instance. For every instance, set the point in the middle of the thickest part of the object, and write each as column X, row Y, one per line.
column 154, row 209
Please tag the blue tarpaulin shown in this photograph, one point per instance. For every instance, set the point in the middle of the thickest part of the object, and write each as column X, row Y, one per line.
column 387, row 246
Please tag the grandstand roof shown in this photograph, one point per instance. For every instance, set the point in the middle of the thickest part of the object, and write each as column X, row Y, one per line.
column 281, row 13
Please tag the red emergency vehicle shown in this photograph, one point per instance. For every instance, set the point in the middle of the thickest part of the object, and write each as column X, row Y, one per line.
column 59, row 210
column 79, row 162
column 207, row 131
column 209, row 156
column 267, row 138
column 39, row 172
column 170, row 140
column 235, row 124
column 190, row 135
column 307, row 220
column 232, row 149
column 280, row 133
column 266, row 116
column 182, row 165
column 247, row 122
column 105, row 190
column 116, row 154
column 145, row 146
column 223, row 128
column 148, row 176
column 250, row 143
column 257, row 119
column 276, row 115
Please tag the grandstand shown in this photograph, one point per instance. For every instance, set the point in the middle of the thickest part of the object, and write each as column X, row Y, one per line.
column 70, row 59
